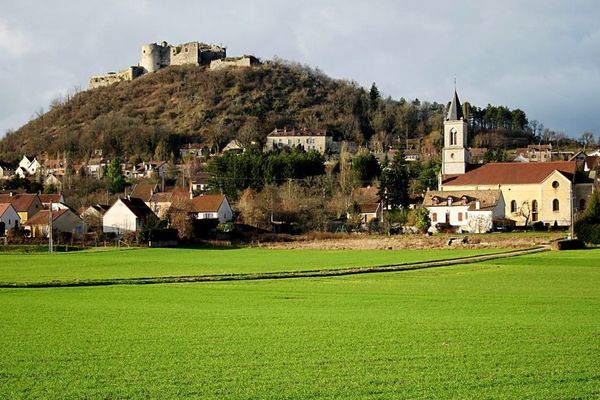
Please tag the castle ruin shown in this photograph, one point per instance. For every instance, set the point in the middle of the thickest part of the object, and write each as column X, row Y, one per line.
column 155, row 57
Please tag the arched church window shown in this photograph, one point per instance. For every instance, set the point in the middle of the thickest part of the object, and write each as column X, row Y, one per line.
column 453, row 137
column 513, row 206
column 555, row 205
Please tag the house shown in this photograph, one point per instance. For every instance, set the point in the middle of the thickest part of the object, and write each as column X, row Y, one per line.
column 234, row 146
column 56, row 199
column 160, row 202
column 29, row 165
column 467, row 210
column 191, row 150
column 52, row 181
column 366, row 203
column 477, row 154
column 95, row 167
column 26, row 204
column 144, row 191
column 200, row 182
column 306, row 139
column 127, row 214
column 150, row 169
column 56, row 167
column 93, row 215
column 211, row 207
column 6, row 171
column 539, row 152
column 63, row 221
column 9, row 218
column 551, row 192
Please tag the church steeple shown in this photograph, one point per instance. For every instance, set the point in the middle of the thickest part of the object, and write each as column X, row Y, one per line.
column 455, row 112
column 455, row 154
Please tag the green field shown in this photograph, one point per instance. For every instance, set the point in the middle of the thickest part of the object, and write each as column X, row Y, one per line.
column 136, row 263
column 522, row 327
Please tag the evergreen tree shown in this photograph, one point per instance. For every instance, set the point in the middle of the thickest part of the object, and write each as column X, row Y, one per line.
column 115, row 175
column 393, row 190
column 374, row 97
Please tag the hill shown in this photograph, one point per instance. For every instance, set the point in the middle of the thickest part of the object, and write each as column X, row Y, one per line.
column 150, row 117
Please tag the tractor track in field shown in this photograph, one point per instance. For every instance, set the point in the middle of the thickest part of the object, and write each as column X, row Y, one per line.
column 316, row 273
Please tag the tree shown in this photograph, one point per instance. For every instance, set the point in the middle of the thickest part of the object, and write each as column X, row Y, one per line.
column 498, row 155
column 422, row 220
column 586, row 139
column 393, row 190
column 115, row 175
column 366, row 166
column 374, row 97
column 587, row 227
column 524, row 211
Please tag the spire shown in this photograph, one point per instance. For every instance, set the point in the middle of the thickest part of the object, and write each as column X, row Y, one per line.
column 455, row 111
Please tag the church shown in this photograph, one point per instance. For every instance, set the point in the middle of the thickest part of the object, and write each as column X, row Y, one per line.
column 472, row 196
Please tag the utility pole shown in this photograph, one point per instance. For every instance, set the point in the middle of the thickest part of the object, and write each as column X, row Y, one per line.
column 50, row 244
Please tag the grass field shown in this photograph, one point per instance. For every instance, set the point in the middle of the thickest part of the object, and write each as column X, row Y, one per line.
column 523, row 327
column 134, row 263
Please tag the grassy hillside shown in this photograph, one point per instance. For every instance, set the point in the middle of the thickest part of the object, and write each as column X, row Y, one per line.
column 190, row 104
column 524, row 327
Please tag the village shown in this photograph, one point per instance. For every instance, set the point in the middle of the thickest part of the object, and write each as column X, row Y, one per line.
column 539, row 188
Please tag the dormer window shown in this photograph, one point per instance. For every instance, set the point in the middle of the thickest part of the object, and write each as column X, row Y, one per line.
column 435, row 200
column 449, row 200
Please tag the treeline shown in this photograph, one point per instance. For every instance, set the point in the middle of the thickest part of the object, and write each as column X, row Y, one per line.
column 233, row 173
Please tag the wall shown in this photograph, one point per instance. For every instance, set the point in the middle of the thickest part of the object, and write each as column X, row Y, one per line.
column 543, row 192
column 318, row 143
column 115, row 77
column 119, row 219
column 196, row 53
column 244, row 61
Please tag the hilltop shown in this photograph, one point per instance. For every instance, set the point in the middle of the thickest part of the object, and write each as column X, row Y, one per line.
column 152, row 116
column 189, row 104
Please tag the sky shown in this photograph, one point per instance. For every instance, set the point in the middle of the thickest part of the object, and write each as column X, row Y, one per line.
column 540, row 56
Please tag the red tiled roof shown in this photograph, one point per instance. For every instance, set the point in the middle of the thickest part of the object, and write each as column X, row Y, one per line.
column 206, row 203
column 4, row 207
column 368, row 208
column 511, row 173
column 47, row 198
column 21, row 202
column 41, row 218
column 144, row 191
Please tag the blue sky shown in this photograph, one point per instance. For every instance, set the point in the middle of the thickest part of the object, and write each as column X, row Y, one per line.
column 540, row 56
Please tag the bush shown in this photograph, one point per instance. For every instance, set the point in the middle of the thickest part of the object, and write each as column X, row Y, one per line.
column 504, row 224
column 587, row 228
column 539, row 226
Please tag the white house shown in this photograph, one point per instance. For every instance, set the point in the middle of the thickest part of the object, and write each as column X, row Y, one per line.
column 211, row 207
column 468, row 210
column 29, row 165
column 126, row 215
column 9, row 218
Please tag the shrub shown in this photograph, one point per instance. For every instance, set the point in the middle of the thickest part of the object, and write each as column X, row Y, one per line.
column 587, row 228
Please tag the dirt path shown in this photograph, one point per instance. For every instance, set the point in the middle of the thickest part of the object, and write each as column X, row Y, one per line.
column 279, row 275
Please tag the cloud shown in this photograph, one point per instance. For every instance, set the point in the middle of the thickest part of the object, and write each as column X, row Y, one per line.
column 14, row 42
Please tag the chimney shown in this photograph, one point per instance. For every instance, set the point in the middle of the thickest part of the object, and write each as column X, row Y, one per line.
column 477, row 205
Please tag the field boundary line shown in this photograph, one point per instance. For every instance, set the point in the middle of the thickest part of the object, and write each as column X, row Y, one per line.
column 315, row 273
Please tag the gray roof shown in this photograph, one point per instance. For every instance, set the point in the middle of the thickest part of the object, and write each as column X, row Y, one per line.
column 455, row 111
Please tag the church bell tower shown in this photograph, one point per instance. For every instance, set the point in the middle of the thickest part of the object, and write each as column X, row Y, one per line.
column 455, row 156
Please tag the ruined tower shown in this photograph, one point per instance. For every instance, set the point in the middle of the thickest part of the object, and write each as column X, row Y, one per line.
column 155, row 56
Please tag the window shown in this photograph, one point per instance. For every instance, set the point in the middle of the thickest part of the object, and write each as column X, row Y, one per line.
column 534, row 210
column 434, row 217
column 555, row 184
column 555, row 205
column 513, row 206
column 581, row 204
column 453, row 137
column 460, row 217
